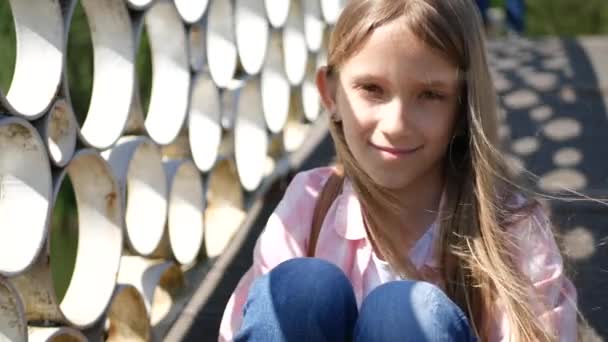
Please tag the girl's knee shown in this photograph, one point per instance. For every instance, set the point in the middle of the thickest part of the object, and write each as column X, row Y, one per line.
column 408, row 293
column 301, row 298
column 400, row 309
column 299, row 279
column 312, row 273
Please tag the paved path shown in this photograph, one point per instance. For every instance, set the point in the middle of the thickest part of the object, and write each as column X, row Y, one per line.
column 555, row 96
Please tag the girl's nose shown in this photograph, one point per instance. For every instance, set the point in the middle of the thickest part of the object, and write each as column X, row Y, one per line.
column 396, row 117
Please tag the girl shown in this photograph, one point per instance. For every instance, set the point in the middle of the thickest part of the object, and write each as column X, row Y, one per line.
column 428, row 239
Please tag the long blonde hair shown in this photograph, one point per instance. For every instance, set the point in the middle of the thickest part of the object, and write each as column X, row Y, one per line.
column 475, row 251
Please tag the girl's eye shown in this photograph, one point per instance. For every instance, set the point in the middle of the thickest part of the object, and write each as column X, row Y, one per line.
column 372, row 90
column 432, row 95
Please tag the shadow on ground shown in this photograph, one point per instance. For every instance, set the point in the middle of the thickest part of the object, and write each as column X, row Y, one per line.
column 555, row 125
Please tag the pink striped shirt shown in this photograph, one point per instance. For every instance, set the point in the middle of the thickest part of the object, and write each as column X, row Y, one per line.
column 343, row 241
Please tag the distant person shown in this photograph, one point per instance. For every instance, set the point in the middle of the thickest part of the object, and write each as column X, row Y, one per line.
column 419, row 233
column 515, row 12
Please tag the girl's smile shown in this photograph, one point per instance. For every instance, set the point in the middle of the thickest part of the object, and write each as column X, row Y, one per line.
column 395, row 152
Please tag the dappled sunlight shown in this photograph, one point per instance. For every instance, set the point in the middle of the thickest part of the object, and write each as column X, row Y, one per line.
column 556, row 128
column 579, row 243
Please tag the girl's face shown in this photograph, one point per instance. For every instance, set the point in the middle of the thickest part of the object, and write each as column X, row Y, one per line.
column 397, row 100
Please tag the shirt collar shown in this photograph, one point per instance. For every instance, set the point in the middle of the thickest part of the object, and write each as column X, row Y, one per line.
column 349, row 218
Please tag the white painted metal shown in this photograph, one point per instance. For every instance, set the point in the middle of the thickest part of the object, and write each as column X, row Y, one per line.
column 191, row 11
column 114, row 76
column 296, row 128
column 186, row 205
column 309, row 95
column 137, row 165
column 250, row 136
column 55, row 334
column 252, row 34
column 139, row 4
column 126, row 318
column 314, row 25
column 222, row 57
column 224, row 212
column 25, row 194
column 157, row 280
column 60, row 130
column 322, row 53
column 295, row 50
column 204, row 126
column 331, row 10
column 228, row 104
column 13, row 325
column 277, row 11
column 171, row 72
column 39, row 57
column 274, row 85
column 98, row 252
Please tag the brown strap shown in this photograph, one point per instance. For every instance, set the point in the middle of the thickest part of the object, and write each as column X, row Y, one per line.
column 328, row 194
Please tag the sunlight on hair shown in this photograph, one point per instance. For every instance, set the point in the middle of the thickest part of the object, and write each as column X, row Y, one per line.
column 515, row 164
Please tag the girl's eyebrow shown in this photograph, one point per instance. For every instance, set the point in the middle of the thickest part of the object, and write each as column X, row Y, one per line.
column 367, row 77
column 427, row 82
column 438, row 83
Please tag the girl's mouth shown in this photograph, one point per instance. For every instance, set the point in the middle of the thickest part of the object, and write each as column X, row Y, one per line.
column 396, row 151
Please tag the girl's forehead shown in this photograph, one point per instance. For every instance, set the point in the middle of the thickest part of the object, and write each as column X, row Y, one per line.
column 394, row 49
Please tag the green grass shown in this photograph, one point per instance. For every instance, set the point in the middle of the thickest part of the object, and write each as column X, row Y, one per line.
column 567, row 17
column 564, row 18
column 143, row 65
column 64, row 238
column 80, row 64
column 7, row 46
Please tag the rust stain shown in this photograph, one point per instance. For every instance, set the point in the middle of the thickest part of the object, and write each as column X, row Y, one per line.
column 111, row 203
column 60, row 122
column 17, row 135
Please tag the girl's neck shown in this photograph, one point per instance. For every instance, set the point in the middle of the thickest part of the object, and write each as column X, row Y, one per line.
column 420, row 203
column 422, row 195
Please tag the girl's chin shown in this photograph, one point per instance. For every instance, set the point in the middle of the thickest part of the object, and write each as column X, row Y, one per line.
column 392, row 183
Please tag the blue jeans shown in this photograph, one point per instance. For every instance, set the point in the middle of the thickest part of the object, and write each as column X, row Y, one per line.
column 308, row 299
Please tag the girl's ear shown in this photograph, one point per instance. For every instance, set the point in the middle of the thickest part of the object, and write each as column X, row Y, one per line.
column 326, row 85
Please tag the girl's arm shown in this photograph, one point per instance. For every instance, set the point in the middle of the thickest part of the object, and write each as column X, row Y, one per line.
column 284, row 237
column 539, row 258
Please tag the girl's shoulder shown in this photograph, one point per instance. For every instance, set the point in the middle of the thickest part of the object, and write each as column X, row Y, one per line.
column 519, row 208
column 293, row 215
column 533, row 236
column 302, row 192
column 307, row 184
